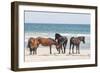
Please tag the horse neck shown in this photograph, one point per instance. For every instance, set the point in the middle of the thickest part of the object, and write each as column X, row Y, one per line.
column 81, row 38
column 54, row 42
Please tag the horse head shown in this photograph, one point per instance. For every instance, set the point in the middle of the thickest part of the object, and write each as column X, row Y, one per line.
column 82, row 38
column 57, row 35
column 58, row 46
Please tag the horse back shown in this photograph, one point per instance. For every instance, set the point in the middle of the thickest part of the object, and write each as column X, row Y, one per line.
column 74, row 40
column 46, row 41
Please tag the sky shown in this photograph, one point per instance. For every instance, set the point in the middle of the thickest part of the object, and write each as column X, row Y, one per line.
column 56, row 17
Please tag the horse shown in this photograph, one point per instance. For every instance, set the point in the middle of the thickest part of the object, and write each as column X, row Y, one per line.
column 61, row 40
column 48, row 42
column 75, row 41
column 33, row 44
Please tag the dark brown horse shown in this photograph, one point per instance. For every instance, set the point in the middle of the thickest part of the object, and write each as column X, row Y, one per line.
column 48, row 42
column 61, row 40
column 33, row 44
column 75, row 41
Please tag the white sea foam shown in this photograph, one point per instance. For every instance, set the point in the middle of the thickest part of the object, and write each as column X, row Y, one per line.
column 52, row 35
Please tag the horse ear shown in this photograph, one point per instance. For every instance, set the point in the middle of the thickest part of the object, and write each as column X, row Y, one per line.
column 56, row 34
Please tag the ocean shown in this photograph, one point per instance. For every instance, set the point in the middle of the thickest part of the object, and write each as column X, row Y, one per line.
column 60, row 28
column 49, row 30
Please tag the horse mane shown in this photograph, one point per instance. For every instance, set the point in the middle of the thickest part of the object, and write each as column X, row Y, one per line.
column 81, row 37
column 57, row 34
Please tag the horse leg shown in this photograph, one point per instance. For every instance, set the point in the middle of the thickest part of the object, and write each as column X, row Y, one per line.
column 65, row 47
column 36, row 51
column 59, row 51
column 70, row 48
column 30, row 51
column 50, row 50
column 33, row 51
column 73, row 49
column 62, row 49
column 78, row 50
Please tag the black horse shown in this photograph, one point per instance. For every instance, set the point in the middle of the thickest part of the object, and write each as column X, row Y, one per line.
column 75, row 41
column 61, row 40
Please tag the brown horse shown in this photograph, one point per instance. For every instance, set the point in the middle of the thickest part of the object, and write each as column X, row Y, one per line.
column 75, row 41
column 33, row 44
column 48, row 42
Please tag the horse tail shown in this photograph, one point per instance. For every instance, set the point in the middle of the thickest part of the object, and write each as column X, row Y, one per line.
column 29, row 42
column 28, row 45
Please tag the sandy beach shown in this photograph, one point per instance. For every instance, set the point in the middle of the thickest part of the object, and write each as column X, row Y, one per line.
column 43, row 54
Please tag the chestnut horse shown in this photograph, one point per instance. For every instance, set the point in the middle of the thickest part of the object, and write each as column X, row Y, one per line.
column 33, row 44
column 48, row 42
column 75, row 41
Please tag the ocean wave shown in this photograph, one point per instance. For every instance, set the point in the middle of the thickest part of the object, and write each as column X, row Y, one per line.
column 52, row 35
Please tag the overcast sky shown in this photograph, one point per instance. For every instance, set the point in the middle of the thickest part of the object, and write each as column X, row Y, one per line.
column 56, row 17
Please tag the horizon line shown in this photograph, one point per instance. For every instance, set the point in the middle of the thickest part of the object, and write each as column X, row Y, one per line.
column 58, row 23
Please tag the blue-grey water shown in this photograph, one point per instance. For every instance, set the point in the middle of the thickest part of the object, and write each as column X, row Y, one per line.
column 61, row 28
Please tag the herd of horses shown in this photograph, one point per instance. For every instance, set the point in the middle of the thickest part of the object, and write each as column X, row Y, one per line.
column 60, row 43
